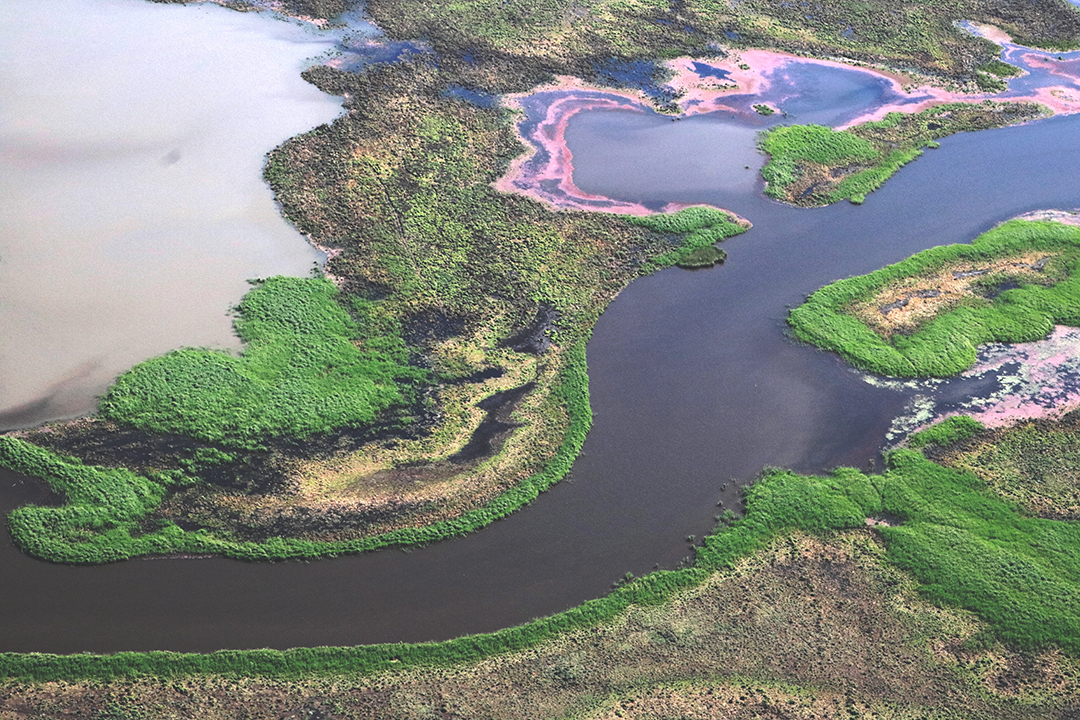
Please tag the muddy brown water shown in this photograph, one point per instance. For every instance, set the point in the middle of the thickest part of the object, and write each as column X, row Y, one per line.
column 694, row 385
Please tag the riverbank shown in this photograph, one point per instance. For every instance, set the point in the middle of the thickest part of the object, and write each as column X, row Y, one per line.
column 802, row 600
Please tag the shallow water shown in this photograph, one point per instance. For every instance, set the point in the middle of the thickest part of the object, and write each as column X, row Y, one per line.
column 132, row 201
column 694, row 386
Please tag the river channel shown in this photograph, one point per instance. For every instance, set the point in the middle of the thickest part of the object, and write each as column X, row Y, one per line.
column 694, row 384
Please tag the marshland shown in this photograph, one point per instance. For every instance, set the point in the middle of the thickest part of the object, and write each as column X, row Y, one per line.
column 443, row 292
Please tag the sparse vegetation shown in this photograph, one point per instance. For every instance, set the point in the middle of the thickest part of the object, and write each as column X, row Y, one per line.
column 1035, row 464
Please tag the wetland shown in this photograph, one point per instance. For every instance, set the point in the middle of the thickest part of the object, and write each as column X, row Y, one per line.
column 693, row 384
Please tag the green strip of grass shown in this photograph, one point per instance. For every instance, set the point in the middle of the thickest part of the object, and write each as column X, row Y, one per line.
column 947, row 344
column 967, row 546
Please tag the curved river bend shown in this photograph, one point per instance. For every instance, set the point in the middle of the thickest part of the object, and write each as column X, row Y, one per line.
column 694, row 386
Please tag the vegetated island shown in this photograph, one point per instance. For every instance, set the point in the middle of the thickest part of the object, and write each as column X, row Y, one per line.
column 921, row 592
column 813, row 165
column 925, row 316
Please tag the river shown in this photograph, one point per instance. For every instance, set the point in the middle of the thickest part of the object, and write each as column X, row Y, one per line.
column 695, row 388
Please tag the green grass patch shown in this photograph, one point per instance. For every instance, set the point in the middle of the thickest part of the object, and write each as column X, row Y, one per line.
column 947, row 344
column 1001, row 69
column 694, row 230
column 812, row 165
column 990, row 83
column 947, row 432
column 301, row 373
column 705, row 257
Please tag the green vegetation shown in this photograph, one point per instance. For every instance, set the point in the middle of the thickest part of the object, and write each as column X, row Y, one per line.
column 109, row 513
column 808, row 628
column 698, row 229
column 1035, row 464
column 812, row 165
column 301, row 373
column 705, row 257
column 945, row 343
column 511, row 46
column 1001, row 69
column 990, row 83
column 791, row 147
column 964, row 545
column 947, row 432
column 437, row 270
column 765, row 110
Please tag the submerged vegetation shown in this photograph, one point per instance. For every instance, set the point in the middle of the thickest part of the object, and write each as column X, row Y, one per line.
column 1012, row 284
column 811, row 595
column 812, row 165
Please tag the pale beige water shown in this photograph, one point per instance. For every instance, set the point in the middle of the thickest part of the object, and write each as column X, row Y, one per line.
column 132, row 208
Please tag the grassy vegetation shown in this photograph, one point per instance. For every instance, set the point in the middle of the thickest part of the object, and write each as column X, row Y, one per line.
column 946, row 433
column 302, row 372
column 812, row 165
column 705, row 257
column 109, row 513
column 1001, row 69
column 510, row 46
column 437, row 270
column 1035, row 464
column 945, row 343
column 797, row 590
